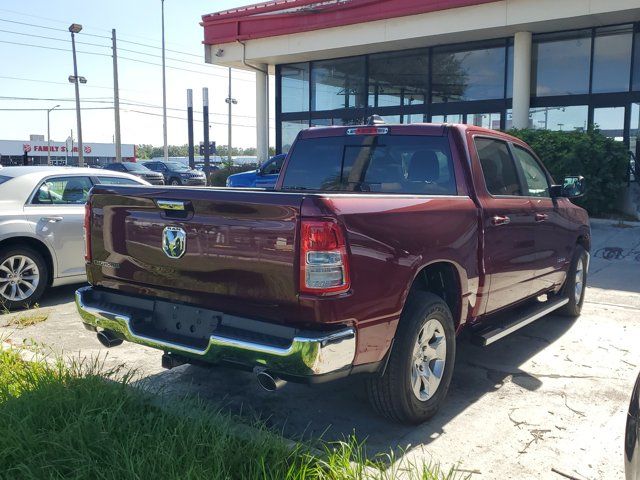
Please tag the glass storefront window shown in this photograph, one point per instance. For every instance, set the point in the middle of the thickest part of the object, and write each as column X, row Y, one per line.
column 468, row 75
column 636, row 62
column 610, row 121
column 290, row 129
column 561, row 64
column 452, row 118
column 510, row 71
column 485, row 120
column 338, row 84
column 559, row 118
column 295, row 87
column 612, row 59
column 398, row 78
column 328, row 122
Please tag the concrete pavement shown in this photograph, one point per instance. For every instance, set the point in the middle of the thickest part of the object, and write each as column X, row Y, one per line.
column 552, row 396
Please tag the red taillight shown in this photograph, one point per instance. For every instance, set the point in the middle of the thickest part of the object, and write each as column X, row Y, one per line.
column 87, row 232
column 324, row 266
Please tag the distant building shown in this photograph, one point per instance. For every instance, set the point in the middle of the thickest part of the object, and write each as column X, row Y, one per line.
column 35, row 152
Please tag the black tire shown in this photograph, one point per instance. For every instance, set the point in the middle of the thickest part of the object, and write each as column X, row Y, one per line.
column 392, row 394
column 574, row 307
column 43, row 281
column 175, row 181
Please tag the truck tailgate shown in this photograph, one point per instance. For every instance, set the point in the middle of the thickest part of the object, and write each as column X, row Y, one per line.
column 237, row 245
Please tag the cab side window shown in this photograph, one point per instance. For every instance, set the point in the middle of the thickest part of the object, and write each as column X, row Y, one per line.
column 500, row 174
column 536, row 182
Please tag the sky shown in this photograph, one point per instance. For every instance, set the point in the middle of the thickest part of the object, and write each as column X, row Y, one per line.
column 42, row 74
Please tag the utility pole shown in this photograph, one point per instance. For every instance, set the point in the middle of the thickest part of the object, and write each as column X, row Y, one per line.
column 116, row 97
column 49, row 110
column 192, row 162
column 231, row 101
column 76, row 28
column 164, row 93
column 205, row 122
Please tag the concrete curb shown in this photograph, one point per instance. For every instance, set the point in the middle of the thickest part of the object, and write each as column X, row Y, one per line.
column 609, row 222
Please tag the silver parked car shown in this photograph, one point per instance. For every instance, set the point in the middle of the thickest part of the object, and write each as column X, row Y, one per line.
column 41, row 221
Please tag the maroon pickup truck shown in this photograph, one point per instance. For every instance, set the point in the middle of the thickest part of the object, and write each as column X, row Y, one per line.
column 380, row 244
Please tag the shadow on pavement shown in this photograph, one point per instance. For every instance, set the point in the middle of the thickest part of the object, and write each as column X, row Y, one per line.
column 339, row 409
column 59, row 295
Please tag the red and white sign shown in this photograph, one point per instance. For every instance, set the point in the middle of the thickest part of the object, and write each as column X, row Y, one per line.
column 61, row 149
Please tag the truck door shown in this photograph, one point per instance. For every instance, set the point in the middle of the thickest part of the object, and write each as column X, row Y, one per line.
column 553, row 238
column 508, row 225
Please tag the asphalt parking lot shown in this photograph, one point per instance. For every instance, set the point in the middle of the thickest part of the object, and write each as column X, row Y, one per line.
column 550, row 398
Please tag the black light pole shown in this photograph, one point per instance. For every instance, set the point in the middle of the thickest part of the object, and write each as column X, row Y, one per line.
column 205, row 122
column 192, row 162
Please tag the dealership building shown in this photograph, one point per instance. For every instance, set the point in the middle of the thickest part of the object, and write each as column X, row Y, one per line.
column 37, row 151
column 555, row 64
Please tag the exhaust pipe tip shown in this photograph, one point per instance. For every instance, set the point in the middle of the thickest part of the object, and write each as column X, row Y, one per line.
column 109, row 339
column 269, row 382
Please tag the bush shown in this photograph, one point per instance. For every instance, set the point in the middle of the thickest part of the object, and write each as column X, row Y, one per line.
column 601, row 160
column 219, row 177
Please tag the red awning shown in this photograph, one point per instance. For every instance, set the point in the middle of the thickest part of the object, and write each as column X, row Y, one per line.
column 282, row 17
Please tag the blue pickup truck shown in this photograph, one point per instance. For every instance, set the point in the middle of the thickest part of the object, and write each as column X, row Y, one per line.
column 263, row 177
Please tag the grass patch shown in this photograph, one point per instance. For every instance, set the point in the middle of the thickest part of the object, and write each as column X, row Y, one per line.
column 24, row 320
column 65, row 421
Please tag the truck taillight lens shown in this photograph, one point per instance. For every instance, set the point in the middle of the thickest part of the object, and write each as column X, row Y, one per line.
column 87, row 232
column 324, row 267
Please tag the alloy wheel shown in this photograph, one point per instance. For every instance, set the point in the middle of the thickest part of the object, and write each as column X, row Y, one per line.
column 429, row 358
column 19, row 278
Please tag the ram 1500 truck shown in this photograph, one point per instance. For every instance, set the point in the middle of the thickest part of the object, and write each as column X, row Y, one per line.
column 378, row 247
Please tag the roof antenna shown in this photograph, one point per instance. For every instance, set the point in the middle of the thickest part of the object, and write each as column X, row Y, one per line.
column 375, row 120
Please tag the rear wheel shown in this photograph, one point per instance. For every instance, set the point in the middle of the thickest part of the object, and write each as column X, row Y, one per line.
column 23, row 277
column 575, row 284
column 420, row 367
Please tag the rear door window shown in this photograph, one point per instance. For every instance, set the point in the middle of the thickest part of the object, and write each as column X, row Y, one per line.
column 380, row 164
column 117, row 181
column 500, row 175
column 4, row 178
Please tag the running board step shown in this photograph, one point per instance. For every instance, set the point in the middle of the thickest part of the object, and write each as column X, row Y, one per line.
column 523, row 317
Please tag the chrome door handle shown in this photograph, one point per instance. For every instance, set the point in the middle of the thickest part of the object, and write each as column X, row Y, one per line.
column 52, row 219
column 541, row 217
column 500, row 220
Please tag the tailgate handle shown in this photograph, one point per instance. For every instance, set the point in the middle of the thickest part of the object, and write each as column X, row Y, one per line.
column 170, row 204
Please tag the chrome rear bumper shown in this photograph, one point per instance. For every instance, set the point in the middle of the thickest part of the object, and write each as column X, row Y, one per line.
column 305, row 354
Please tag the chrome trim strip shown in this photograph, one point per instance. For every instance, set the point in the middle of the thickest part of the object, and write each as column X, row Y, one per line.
column 306, row 355
column 488, row 340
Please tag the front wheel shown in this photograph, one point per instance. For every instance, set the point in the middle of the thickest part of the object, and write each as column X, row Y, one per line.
column 420, row 367
column 23, row 277
column 175, row 181
column 576, row 283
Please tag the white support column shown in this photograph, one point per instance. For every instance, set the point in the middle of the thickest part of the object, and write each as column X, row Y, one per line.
column 521, row 79
column 262, row 113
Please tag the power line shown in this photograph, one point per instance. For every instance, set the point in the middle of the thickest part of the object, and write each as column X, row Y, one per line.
column 46, row 109
column 37, row 80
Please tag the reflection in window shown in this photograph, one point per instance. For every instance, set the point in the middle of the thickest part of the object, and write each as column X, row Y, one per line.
column 510, row 71
column 295, row 87
column 559, row 118
column 338, row 83
column 485, row 120
column 468, row 75
column 535, row 178
column 561, row 63
column 452, row 118
column 398, row 78
column 290, row 129
column 610, row 121
column 328, row 122
column 612, row 59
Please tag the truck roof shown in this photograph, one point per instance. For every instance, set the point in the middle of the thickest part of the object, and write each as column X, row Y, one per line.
column 434, row 129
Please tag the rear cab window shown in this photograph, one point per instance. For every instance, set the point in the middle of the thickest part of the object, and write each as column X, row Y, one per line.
column 402, row 164
column 63, row 191
column 117, row 181
column 4, row 178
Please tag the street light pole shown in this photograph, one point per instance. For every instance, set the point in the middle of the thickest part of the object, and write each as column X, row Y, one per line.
column 231, row 101
column 49, row 110
column 164, row 93
column 76, row 28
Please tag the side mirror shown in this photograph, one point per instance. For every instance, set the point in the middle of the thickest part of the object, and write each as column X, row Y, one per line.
column 572, row 187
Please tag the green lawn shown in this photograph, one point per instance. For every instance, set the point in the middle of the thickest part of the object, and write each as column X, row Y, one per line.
column 67, row 422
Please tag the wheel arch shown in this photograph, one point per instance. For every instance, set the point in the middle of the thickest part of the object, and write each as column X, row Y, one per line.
column 35, row 244
column 446, row 279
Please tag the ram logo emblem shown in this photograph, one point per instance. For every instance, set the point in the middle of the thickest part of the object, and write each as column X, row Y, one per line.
column 174, row 242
